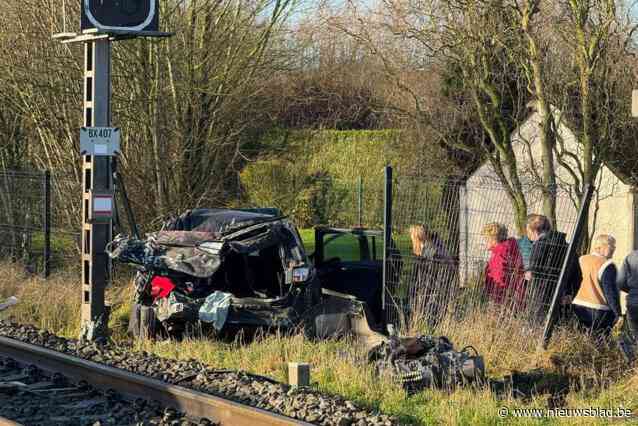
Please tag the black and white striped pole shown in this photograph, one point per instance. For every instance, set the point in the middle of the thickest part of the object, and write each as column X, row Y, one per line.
column 102, row 21
column 99, row 147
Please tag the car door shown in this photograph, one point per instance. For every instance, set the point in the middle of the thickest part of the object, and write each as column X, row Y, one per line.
column 350, row 262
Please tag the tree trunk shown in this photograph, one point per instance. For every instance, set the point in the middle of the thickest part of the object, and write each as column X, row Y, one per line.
column 547, row 126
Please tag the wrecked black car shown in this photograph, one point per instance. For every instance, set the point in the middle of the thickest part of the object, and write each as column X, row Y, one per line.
column 220, row 268
column 226, row 270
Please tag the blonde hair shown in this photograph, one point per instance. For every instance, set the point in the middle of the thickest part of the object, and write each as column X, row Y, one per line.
column 603, row 240
column 495, row 231
column 418, row 235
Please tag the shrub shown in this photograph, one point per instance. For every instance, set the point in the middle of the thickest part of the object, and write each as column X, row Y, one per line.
column 316, row 176
column 273, row 183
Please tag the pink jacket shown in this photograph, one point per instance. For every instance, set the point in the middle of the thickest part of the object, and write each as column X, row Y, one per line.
column 504, row 273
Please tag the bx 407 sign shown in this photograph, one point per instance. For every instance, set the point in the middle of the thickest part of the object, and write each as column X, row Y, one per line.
column 99, row 141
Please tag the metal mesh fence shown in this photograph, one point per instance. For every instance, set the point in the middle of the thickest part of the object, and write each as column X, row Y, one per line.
column 354, row 203
column 66, row 215
column 446, row 276
column 36, row 219
column 21, row 214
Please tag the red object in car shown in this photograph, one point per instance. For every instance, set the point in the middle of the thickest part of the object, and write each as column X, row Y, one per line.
column 161, row 287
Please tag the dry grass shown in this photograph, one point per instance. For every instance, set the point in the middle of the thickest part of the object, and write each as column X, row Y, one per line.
column 53, row 304
column 596, row 376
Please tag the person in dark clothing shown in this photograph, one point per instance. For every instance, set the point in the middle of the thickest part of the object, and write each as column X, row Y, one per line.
column 546, row 258
column 597, row 303
column 627, row 281
column 429, row 276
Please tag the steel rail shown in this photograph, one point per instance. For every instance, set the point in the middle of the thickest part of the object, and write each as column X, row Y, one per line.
column 132, row 385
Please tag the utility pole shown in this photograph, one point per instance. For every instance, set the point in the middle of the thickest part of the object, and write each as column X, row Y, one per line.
column 102, row 22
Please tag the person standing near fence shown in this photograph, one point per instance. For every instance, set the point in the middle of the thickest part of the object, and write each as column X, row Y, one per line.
column 504, row 269
column 597, row 303
column 549, row 248
column 426, row 292
column 627, row 281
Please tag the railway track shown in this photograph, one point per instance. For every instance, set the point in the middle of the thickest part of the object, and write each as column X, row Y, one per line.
column 77, row 391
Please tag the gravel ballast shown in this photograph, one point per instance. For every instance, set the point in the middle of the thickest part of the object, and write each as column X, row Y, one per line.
column 33, row 397
column 299, row 403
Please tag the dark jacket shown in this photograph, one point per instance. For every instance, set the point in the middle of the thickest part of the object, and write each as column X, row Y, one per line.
column 545, row 262
column 627, row 279
column 608, row 280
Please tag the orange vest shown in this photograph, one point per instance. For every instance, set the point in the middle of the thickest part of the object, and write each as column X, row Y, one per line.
column 590, row 294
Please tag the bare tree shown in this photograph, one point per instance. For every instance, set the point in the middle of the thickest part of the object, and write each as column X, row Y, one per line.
column 532, row 22
column 594, row 37
column 188, row 106
column 470, row 43
column 497, row 56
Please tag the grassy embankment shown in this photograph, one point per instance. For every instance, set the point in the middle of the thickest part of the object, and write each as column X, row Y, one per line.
column 598, row 379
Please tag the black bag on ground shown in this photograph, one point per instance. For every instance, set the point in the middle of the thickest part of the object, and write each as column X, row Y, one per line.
column 427, row 362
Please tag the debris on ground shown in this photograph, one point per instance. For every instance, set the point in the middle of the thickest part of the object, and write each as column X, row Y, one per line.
column 8, row 303
column 424, row 362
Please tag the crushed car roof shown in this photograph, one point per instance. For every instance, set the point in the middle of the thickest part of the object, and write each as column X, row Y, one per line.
column 217, row 221
column 176, row 246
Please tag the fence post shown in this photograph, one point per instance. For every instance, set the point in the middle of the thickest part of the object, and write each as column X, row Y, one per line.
column 581, row 228
column 47, row 223
column 360, row 200
column 387, row 234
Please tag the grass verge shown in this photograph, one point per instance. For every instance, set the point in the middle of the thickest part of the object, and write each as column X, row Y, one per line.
column 588, row 376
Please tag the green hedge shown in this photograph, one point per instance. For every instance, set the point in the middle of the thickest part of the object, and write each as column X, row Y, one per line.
column 316, row 176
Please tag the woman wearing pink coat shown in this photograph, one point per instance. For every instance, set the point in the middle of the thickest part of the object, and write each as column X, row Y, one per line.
column 504, row 272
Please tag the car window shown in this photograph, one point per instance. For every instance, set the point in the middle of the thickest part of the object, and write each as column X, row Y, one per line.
column 343, row 246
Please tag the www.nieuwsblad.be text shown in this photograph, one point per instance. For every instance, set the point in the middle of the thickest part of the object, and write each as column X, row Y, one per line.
column 618, row 412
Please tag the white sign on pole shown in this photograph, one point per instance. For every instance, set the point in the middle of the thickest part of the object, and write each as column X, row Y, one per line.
column 634, row 103
column 101, row 207
column 100, row 141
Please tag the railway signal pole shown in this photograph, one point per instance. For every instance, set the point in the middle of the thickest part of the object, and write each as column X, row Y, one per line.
column 102, row 22
column 97, row 188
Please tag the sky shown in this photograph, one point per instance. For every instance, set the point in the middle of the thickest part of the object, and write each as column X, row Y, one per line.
column 308, row 7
